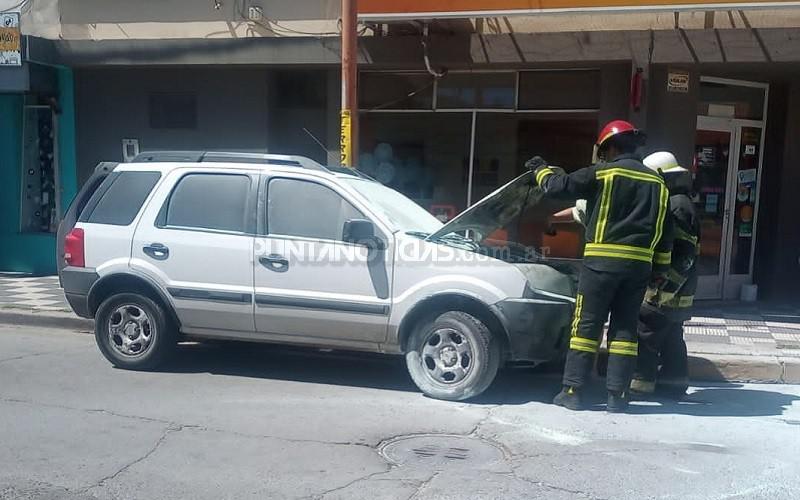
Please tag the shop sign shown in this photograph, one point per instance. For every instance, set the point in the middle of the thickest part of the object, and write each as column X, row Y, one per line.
column 346, row 144
column 472, row 8
column 10, row 40
column 678, row 81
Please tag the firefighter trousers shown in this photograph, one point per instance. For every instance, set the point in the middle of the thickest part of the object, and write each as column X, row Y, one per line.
column 661, row 343
column 601, row 293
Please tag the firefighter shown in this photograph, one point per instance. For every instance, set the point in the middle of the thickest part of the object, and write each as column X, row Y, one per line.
column 627, row 234
column 668, row 304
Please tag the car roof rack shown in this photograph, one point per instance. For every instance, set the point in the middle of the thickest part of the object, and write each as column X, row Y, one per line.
column 228, row 157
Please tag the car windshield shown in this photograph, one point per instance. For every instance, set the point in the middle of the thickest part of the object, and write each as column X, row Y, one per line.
column 404, row 214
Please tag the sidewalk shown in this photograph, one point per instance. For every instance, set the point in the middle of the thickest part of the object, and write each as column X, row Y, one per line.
column 745, row 342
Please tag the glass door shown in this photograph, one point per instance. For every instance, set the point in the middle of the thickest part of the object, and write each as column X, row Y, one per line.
column 728, row 155
column 712, row 164
column 743, row 202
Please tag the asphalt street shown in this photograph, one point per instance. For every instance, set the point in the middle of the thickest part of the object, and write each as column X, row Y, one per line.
column 257, row 421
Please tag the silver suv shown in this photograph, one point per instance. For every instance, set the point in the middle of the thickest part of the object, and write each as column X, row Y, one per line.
column 269, row 248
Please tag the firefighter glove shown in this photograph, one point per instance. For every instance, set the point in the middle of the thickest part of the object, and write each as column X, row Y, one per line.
column 535, row 163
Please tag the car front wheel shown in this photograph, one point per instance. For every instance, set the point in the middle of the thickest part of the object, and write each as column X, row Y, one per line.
column 133, row 332
column 453, row 356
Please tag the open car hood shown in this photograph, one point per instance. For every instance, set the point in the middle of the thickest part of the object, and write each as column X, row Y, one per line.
column 496, row 210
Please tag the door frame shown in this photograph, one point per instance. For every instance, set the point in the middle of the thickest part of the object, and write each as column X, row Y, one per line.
column 728, row 285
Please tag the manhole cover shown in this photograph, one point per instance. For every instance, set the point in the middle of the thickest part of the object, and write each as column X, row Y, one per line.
column 438, row 450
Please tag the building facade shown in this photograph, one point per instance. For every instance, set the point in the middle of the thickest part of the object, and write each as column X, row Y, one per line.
column 451, row 105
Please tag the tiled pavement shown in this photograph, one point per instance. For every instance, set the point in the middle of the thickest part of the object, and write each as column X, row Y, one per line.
column 39, row 293
column 714, row 323
column 745, row 325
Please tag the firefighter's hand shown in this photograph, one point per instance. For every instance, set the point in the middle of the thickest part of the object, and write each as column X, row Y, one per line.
column 535, row 163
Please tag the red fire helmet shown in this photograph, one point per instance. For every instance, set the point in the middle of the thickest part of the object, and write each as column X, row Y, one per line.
column 617, row 127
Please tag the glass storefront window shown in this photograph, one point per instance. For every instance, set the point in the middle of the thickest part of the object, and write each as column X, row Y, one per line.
column 504, row 141
column 731, row 101
column 476, row 90
column 578, row 89
column 38, row 207
column 425, row 156
column 395, row 91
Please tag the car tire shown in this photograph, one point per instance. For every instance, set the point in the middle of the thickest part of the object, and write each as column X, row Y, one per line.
column 453, row 356
column 134, row 332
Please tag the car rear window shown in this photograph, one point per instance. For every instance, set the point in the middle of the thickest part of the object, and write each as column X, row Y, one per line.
column 122, row 199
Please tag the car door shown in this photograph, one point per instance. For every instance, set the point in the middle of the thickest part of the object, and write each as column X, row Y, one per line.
column 309, row 284
column 196, row 240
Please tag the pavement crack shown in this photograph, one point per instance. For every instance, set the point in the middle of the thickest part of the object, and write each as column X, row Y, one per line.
column 513, row 473
column 484, row 420
column 424, row 484
column 169, row 430
column 319, row 496
column 185, row 425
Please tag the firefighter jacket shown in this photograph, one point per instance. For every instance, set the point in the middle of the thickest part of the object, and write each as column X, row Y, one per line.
column 674, row 295
column 627, row 228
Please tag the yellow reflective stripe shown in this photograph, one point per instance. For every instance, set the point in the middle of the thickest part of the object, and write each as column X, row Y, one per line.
column 662, row 214
column 631, row 174
column 585, row 345
column 605, row 203
column 542, row 174
column 680, row 234
column 584, row 349
column 577, row 318
column 662, row 258
column 623, row 348
column 616, row 247
column 618, row 251
column 622, row 352
column 614, row 255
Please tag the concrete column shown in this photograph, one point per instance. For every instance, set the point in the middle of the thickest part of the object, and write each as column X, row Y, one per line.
column 786, row 266
column 67, row 162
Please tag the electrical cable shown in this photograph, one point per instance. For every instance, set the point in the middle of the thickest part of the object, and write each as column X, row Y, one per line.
column 273, row 26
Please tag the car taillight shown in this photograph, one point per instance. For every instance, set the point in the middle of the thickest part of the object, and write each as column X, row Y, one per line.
column 73, row 248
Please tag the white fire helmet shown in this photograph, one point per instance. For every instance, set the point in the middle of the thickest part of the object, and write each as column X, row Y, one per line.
column 663, row 161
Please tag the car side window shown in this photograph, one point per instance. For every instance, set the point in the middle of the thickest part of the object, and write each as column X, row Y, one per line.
column 307, row 209
column 208, row 201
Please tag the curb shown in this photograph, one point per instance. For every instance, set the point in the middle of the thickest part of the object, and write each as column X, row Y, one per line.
column 703, row 367
column 737, row 368
column 48, row 319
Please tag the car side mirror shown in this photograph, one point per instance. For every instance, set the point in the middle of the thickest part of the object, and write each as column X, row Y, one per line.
column 362, row 232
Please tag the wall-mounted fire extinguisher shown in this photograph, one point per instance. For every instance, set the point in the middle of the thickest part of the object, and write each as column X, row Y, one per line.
column 637, row 86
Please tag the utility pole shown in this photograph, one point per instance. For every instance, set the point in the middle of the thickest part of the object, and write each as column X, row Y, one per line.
column 349, row 115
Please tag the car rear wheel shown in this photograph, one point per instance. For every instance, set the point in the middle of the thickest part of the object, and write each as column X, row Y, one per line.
column 133, row 332
column 453, row 356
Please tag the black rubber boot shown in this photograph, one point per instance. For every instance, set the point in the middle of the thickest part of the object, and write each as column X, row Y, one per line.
column 617, row 402
column 672, row 388
column 569, row 398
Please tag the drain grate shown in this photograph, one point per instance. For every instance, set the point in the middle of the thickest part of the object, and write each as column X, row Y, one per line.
column 440, row 450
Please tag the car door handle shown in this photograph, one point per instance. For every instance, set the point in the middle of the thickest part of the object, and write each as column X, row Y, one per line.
column 157, row 251
column 274, row 262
